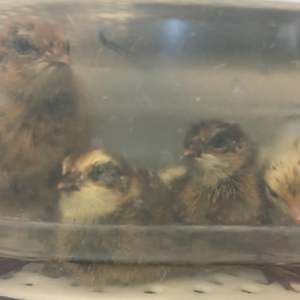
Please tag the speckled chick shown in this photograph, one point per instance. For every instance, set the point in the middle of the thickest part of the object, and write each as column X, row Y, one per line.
column 98, row 188
column 219, row 185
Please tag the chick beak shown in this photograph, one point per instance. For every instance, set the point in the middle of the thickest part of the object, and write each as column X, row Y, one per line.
column 69, row 183
column 59, row 56
column 63, row 60
column 295, row 212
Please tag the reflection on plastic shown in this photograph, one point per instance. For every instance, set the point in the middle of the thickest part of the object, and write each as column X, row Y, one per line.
column 169, row 244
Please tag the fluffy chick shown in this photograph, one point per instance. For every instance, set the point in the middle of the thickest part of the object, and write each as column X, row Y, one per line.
column 219, row 185
column 40, row 116
column 279, row 161
column 98, row 188
column 282, row 186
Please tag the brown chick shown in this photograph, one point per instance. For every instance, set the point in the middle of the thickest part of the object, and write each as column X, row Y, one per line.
column 219, row 185
column 41, row 118
column 100, row 189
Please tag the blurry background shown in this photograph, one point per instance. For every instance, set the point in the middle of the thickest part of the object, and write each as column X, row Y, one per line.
column 236, row 61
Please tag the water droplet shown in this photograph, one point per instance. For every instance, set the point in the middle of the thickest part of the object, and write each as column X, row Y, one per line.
column 219, row 66
column 237, row 87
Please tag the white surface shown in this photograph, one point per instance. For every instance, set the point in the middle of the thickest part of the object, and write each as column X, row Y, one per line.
column 29, row 285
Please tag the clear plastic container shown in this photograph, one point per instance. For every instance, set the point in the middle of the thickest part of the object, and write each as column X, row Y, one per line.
column 144, row 72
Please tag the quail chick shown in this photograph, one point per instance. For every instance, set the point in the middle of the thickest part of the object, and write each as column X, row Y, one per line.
column 282, row 186
column 279, row 161
column 41, row 118
column 219, row 185
column 98, row 188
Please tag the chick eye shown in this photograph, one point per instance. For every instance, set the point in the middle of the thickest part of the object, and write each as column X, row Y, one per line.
column 96, row 172
column 218, row 141
column 22, row 45
column 272, row 193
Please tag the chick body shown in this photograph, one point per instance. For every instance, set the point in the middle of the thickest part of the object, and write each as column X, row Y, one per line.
column 219, row 186
column 279, row 162
column 41, row 119
column 218, row 183
column 100, row 189
column 280, row 174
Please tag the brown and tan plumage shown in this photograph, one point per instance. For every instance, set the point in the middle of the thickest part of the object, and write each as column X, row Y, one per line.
column 40, row 116
column 219, row 185
column 98, row 188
